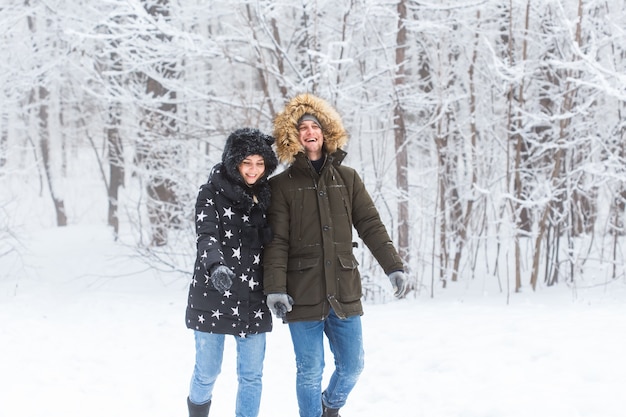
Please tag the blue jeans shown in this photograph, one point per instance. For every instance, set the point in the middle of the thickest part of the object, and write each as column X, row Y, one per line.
column 250, row 355
column 346, row 343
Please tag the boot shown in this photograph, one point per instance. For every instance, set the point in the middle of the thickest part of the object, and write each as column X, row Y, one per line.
column 329, row 412
column 198, row 410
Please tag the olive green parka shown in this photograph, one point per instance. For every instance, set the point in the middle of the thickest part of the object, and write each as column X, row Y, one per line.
column 312, row 218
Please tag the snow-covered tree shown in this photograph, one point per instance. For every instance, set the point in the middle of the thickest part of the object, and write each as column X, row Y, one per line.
column 490, row 134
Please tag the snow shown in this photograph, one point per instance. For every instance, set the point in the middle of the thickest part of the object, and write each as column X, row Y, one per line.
column 88, row 330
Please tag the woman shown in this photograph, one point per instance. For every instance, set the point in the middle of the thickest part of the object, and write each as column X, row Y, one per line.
column 226, row 291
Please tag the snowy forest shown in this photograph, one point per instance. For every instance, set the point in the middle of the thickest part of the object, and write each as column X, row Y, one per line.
column 490, row 134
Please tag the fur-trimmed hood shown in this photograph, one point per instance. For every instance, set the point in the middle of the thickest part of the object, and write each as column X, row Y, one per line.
column 239, row 145
column 245, row 142
column 286, row 126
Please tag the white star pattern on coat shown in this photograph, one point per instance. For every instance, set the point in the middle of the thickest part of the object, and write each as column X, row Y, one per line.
column 220, row 223
column 228, row 213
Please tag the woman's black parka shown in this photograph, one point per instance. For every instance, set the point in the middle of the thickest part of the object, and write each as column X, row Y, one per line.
column 231, row 230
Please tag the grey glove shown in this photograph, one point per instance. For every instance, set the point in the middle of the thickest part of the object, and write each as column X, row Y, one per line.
column 279, row 304
column 398, row 282
column 222, row 278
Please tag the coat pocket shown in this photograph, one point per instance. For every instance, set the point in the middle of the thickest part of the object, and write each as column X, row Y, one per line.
column 349, row 278
column 305, row 280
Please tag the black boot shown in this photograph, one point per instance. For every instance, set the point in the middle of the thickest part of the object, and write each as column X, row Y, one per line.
column 198, row 410
column 329, row 412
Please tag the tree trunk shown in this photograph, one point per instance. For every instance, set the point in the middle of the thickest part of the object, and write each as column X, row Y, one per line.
column 42, row 96
column 116, row 170
column 4, row 138
column 520, row 212
column 44, row 144
column 157, row 152
column 402, row 164
column 583, row 205
column 441, row 145
column 463, row 225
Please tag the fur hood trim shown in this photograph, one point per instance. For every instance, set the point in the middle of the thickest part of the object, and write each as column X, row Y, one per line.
column 286, row 126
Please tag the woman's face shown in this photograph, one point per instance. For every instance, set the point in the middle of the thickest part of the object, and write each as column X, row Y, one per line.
column 252, row 168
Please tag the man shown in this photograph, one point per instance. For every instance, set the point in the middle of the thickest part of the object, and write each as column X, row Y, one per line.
column 311, row 277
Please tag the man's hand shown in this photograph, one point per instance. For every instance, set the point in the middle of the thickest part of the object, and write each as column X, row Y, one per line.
column 398, row 282
column 279, row 304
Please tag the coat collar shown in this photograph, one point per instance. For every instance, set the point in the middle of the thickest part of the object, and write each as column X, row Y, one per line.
column 336, row 159
column 240, row 194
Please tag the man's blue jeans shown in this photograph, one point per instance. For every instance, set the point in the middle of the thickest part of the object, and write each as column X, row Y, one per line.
column 250, row 355
column 345, row 338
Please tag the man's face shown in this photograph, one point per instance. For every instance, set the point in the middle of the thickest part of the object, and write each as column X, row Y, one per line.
column 311, row 138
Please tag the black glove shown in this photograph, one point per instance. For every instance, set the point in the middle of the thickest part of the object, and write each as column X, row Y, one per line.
column 222, row 278
column 398, row 282
column 279, row 304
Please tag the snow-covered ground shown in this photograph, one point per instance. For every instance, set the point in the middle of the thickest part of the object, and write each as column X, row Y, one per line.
column 86, row 330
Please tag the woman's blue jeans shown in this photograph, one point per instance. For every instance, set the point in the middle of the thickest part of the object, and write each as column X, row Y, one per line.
column 345, row 338
column 209, row 354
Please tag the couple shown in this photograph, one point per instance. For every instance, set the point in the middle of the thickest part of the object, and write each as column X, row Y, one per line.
column 293, row 257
